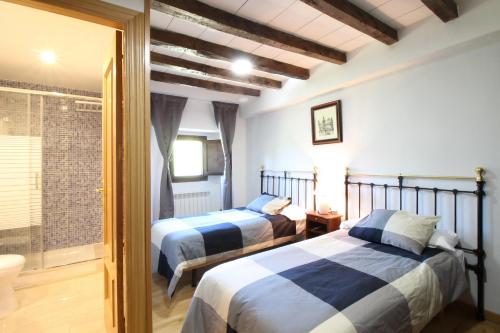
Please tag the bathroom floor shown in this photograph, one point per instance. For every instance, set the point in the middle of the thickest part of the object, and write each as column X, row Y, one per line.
column 60, row 304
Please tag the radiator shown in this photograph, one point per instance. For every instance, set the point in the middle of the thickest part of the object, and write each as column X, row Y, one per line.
column 193, row 203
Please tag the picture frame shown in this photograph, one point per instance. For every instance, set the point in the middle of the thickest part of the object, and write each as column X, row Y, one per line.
column 326, row 123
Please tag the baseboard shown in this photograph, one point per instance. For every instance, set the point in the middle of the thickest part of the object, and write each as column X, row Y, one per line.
column 489, row 315
column 492, row 316
column 71, row 255
column 35, row 278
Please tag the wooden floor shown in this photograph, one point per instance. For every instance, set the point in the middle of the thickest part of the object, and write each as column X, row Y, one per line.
column 75, row 304
column 168, row 316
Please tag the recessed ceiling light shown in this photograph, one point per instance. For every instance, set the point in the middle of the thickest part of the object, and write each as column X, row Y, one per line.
column 48, row 57
column 242, row 66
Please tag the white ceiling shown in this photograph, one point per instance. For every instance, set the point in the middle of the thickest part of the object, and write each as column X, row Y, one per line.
column 295, row 17
column 81, row 48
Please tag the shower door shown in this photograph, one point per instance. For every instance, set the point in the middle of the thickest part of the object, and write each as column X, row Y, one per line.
column 20, row 176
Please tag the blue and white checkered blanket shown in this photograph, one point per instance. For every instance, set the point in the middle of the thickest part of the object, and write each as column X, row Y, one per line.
column 182, row 243
column 333, row 283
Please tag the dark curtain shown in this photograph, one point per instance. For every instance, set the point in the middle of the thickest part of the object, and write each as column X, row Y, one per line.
column 166, row 114
column 225, row 117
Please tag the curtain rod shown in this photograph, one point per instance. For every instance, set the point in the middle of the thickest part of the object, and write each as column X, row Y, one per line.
column 198, row 99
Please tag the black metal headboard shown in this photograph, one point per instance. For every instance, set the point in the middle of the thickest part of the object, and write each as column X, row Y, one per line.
column 400, row 187
column 286, row 184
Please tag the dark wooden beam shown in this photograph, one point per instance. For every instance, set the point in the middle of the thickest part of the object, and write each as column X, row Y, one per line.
column 355, row 17
column 215, row 51
column 200, row 13
column 194, row 82
column 446, row 10
column 197, row 68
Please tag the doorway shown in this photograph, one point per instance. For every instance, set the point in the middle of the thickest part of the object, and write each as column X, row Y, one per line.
column 131, row 115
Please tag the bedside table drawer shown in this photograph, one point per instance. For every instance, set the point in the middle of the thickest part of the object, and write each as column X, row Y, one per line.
column 317, row 224
column 317, row 219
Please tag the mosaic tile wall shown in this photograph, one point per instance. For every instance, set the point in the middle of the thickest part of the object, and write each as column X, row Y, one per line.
column 71, row 173
column 71, row 168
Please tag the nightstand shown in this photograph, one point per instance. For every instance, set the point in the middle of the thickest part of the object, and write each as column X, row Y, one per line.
column 320, row 224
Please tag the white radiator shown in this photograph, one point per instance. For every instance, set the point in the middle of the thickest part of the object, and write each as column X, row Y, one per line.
column 193, row 203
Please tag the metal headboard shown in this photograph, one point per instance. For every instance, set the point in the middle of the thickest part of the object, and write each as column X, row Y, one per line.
column 284, row 183
column 478, row 192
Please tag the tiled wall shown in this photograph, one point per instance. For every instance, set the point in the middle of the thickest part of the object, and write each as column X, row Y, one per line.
column 71, row 167
column 71, row 173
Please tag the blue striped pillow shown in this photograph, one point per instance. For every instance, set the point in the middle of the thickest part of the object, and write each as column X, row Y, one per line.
column 268, row 204
column 398, row 228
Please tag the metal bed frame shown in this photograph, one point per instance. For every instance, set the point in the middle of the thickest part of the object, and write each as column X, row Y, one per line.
column 478, row 192
column 271, row 180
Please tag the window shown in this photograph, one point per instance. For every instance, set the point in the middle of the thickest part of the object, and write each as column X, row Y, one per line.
column 215, row 158
column 188, row 162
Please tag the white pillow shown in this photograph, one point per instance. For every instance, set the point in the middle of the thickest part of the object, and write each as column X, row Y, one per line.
column 445, row 240
column 348, row 224
column 294, row 212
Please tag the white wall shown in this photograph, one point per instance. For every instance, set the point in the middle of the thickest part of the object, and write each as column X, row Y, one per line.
column 441, row 118
column 198, row 119
column 420, row 43
column 198, row 115
column 137, row 5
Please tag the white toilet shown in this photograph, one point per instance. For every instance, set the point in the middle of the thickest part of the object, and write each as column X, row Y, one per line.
column 10, row 267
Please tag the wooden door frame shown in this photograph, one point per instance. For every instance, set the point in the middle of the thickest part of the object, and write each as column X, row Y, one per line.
column 136, row 145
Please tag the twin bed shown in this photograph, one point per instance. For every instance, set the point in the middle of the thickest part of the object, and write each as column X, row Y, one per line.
column 339, row 283
column 333, row 283
column 188, row 243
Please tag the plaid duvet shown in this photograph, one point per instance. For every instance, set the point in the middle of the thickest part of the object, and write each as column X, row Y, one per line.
column 179, row 244
column 333, row 283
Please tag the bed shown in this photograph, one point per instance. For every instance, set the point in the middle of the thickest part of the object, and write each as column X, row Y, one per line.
column 188, row 243
column 338, row 283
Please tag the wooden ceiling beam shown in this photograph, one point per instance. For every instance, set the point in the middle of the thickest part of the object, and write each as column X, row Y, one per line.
column 193, row 67
column 200, row 13
column 194, row 82
column 355, row 17
column 210, row 50
column 446, row 10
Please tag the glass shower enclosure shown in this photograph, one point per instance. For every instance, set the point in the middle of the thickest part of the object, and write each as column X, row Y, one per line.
column 50, row 166
column 20, row 177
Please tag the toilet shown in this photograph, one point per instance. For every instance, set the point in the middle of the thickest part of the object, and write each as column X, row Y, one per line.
column 10, row 267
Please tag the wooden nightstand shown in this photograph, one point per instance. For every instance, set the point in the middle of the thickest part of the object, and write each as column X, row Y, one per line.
column 320, row 224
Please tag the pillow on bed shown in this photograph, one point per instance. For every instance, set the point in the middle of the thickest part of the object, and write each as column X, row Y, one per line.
column 443, row 239
column 268, row 204
column 294, row 212
column 401, row 229
column 348, row 224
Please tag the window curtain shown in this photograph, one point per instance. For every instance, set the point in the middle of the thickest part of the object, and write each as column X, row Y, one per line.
column 225, row 118
column 166, row 114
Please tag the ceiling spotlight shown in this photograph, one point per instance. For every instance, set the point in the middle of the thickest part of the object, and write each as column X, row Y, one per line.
column 242, row 66
column 48, row 57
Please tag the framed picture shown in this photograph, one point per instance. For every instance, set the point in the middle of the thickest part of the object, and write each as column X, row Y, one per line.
column 326, row 123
